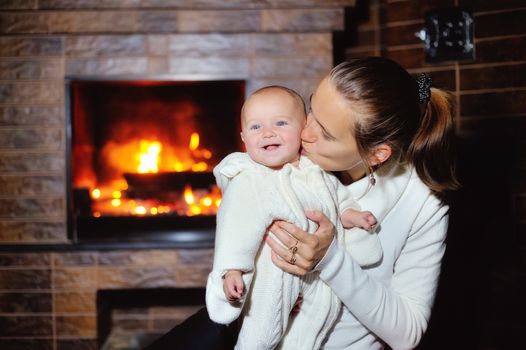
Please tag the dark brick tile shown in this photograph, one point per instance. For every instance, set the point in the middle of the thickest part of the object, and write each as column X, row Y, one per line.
column 411, row 10
column 25, row 279
column 26, row 232
column 498, row 24
column 43, row 92
column 494, row 103
column 408, row 58
column 513, row 75
column 71, row 302
column 484, row 5
column 81, row 326
column 18, row 326
column 195, row 256
column 31, row 207
column 77, row 344
column 26, row 344
column 25, row 302
column 31, row 138
column 31, row 69
column 359, row 53
column 18, row 5
column 502, row 50
column 32, row 185
column 366, row 38
column 75, row 277
column 498, row 128
column 25, row 259
column 23, row 47
column 31, row 115
column 144, row 258
column 75, row 259
column 401, row 35
column 41, row 162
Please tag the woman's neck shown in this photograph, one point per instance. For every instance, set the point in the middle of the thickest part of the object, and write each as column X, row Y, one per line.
column 350, row 176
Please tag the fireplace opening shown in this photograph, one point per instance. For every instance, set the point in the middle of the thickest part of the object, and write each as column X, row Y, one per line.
column 141, row 155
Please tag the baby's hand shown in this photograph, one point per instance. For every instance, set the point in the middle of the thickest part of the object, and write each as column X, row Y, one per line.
column 354, row 218
column 233, row 285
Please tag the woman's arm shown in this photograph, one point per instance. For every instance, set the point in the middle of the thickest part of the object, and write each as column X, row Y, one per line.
column 397, row 313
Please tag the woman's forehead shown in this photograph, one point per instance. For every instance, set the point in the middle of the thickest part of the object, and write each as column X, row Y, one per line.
column 331, row 111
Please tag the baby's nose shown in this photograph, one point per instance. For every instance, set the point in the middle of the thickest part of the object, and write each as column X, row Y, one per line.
column 269, row 133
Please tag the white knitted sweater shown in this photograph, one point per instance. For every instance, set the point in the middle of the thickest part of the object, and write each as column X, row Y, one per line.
column 254, row 196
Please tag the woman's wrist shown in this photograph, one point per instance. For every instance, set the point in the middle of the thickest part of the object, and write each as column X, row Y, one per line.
column 329, row 254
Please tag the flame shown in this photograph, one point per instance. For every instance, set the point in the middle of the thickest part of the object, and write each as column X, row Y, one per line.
column 149, row 157
column 188, row 195
column 153, row 155
column 194, row 141
column 95, row 193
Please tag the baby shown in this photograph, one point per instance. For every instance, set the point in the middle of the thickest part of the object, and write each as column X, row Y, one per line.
column 269, row 182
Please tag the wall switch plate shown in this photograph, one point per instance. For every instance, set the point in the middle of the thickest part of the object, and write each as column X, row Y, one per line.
column 448, row 35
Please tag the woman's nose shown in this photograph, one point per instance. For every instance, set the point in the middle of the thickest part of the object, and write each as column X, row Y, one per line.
column 306, row 134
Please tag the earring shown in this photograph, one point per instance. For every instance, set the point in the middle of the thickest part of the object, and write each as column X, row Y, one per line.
column 372, row 180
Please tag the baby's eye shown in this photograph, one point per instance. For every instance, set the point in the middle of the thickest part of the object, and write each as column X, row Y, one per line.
column 282, row 123
column 254, row 127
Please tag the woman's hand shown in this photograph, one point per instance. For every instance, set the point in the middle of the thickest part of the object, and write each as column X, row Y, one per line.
column 302, row 250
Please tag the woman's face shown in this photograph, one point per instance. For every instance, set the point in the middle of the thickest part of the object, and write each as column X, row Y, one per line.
column 328, row 138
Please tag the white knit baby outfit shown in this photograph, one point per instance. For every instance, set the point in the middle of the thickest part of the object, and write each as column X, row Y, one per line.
column 253, row 197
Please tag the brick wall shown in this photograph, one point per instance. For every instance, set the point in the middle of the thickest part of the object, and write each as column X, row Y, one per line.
column 47, row 298
column 481, row 295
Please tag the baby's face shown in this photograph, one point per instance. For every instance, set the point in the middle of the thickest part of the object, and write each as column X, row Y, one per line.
column 272, row 122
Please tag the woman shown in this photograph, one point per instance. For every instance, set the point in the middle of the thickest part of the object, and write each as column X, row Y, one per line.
column 388, row 136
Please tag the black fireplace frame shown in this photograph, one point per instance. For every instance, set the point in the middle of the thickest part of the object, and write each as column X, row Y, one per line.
column 164, row 231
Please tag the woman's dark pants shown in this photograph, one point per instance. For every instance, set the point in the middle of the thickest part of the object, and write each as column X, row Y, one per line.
column 197, row 332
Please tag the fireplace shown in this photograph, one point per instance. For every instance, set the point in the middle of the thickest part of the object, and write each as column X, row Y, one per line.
column 141, row 154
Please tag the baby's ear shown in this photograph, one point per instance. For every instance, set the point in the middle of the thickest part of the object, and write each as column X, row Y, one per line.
column 380, row 154
column 242, row 138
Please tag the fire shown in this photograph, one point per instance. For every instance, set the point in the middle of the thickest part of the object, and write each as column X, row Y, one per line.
column 189, row 195
column 194, row 141
column 143, row 155
column 149, row 157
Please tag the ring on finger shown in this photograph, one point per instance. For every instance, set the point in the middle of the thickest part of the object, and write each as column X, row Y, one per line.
column 294, row 248
column 292, row 259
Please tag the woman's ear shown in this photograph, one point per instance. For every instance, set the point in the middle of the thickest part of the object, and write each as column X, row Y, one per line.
column 380, row 154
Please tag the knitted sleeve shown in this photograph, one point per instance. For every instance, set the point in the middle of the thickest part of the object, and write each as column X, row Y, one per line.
column 397, row 313
column 241, row 225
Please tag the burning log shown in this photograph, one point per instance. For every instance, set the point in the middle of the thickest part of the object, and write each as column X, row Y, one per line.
column 155, row 184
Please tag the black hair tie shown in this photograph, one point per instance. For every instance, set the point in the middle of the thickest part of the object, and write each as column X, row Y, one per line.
column 424, row 88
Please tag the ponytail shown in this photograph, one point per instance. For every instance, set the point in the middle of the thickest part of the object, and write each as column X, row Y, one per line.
column 388, row 98
column 430, row 151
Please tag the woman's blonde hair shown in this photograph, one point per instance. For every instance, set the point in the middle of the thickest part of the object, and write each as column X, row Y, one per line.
column 387, row 99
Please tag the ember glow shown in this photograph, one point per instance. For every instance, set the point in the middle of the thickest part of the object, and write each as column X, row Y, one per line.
column 152, row 157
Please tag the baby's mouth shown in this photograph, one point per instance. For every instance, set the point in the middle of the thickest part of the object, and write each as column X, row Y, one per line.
column 270, row 147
